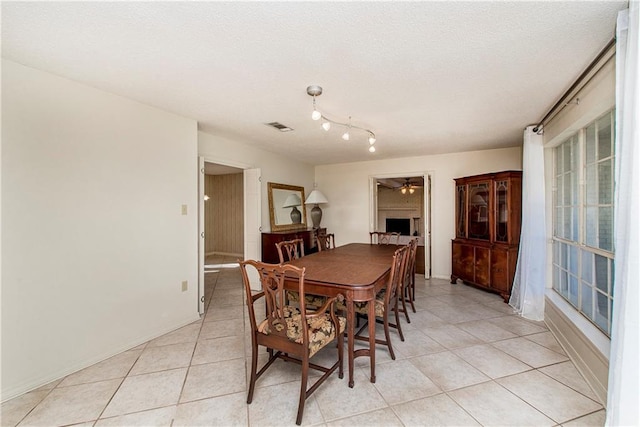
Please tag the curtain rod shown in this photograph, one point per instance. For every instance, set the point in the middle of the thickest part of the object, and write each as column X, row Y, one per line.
column 576, row 83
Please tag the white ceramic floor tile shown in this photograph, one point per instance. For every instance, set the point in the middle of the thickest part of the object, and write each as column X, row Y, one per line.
column 518, row 326
column 529, row 352
column 155, row 359
column 401, row 381
column 161, row 417
column 334, row 393
column 486, row 331
column 436, row 411
column 183, row 335
column 72, row 405
column 148, row 391
column 277, row 405
column 218, row 349
column 425, row 319
column 382, row 417
column 492, row 405
column 416, row 343
column 221, row 328
column 448, row 371
column 491, row 361
column 453, row 314
column 279, row 372
column 214, row 379
column 227, row 300
column 546, row 339
column 456, row 300
column 568, row 375
column 229, row 410
column 117, row 366
column 451, row 336
column 555, row 400
column 501, row 307
column 14, row 410
column 225, row 313
column 597, row 419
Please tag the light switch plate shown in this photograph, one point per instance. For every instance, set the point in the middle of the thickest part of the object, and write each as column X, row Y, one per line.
column 184, row 209
column 185, row 285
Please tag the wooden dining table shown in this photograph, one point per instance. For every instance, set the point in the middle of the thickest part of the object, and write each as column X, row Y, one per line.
column 357, row 271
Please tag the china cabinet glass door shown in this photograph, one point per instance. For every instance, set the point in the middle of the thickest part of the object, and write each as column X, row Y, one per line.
column 479, row 211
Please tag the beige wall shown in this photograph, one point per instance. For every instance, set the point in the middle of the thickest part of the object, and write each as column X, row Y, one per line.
column 94, row 243
column 223, row 214
column 346, row 186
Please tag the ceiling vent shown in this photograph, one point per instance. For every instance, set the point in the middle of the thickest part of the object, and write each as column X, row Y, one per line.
column 279, row 126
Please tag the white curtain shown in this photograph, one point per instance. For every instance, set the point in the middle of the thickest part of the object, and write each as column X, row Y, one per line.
column 527, row 295
column 624, row 377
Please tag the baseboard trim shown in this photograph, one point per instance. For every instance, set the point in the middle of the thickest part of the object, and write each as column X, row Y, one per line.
column 588, row 359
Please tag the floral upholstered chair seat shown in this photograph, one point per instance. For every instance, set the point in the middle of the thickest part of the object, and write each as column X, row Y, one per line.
column 321, row 329
column 310, row 300
column 361, row 306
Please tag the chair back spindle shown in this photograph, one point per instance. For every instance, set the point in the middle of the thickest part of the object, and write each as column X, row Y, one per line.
column 384, row 238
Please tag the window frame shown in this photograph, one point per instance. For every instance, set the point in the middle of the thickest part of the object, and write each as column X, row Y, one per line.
column 568, row 243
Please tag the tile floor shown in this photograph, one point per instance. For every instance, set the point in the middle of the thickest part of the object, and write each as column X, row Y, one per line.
column 466, row 361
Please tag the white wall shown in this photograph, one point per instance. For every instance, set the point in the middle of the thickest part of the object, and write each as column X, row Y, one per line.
column 274, row 167
column 346, row 186
column 94, row 243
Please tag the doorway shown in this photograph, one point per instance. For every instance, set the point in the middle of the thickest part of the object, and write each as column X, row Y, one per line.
column 402, row 203
column 229, row 203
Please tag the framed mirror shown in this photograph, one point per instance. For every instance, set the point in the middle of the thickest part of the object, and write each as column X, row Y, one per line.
column 286, row 207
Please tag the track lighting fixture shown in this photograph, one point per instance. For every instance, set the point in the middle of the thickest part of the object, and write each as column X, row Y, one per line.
column 315, row 91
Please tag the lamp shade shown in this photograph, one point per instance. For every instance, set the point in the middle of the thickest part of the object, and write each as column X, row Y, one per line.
column 316, row 197
column 292, row 200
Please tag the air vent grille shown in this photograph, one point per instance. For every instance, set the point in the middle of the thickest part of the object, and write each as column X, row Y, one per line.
column 279, row 126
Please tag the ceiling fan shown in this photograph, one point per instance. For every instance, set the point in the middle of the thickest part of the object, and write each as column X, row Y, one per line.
column 407, row 184
column 407, row 187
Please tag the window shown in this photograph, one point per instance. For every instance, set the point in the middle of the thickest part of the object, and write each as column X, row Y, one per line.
column 583, row 253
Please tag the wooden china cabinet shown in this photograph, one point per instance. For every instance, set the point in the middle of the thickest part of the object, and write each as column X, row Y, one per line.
column 488, row 215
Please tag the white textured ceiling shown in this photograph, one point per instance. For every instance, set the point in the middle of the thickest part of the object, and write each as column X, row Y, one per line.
column 426, row 77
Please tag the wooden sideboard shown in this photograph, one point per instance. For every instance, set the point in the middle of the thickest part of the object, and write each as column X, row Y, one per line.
column 269, row 240
column 488, row 215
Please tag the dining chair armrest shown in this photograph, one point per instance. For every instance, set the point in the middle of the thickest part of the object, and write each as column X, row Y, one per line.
column 330, row 302
column 257, row 296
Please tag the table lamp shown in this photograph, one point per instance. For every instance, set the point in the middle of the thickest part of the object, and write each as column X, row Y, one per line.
column 293, row 201
column 315, row 198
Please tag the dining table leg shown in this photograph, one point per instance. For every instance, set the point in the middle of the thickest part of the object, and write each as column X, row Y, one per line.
column 350, row 338
column 372, row 338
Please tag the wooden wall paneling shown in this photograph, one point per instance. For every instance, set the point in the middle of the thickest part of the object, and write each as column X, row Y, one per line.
column 224, row 232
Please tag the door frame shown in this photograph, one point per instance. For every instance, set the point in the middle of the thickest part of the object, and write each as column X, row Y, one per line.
column 201, row 255
column 427, row 177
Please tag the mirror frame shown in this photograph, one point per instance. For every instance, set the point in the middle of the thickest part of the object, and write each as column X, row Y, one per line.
column 272, row 216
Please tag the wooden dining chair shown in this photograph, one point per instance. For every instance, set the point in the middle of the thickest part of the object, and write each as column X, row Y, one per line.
column 289, row 250
column 407, row 294
column 386, row 302
column 384, row 238
column 290, row 333
column 326, row 242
